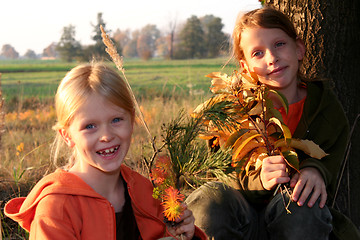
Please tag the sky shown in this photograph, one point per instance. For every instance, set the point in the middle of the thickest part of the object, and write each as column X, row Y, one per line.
column 35, row 24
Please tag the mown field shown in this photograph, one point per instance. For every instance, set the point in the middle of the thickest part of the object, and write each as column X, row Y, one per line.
column 162, row 88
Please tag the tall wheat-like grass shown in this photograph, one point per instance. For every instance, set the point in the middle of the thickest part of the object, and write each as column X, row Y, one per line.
column 111, row 50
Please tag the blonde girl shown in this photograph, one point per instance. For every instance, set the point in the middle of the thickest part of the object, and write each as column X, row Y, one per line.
column 96, row 196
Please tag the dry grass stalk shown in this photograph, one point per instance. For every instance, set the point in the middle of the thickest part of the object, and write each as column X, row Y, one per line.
column 111, row 50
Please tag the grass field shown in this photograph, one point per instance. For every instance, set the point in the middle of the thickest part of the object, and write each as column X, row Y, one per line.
column 23, row 81
column 162, row 88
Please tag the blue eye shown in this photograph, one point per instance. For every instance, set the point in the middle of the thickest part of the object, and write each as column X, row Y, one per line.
column 257, row 54
column 116, row 120
column 279, row 44
column 90, row 126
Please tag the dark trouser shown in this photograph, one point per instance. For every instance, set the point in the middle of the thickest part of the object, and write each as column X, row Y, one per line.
column 224, row 214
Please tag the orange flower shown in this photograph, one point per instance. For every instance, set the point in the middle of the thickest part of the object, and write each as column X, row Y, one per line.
column 172, row 203
column 162, row 172
column 20, row 147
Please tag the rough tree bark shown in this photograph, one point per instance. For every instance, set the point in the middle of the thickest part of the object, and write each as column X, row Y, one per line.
column 331, row 32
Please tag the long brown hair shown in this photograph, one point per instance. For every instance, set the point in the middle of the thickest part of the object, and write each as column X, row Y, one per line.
column 263, row 17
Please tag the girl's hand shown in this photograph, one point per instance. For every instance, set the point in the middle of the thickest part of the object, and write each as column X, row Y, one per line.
column 308, row 181
column 273, row 172
column 185, row 226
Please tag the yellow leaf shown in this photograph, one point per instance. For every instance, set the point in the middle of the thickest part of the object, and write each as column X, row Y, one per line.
column 215, row 75
column 291, row 158
column 234, row 136
column 249, row 79
column 282, row 99
column 239, row 151
column 307, row 146
column 260, row 158
column 245, row 150
column 286, row 131
column 218, row 83
column 257, row 110
column 254, row 76
column 208, row 135
column 256, row 158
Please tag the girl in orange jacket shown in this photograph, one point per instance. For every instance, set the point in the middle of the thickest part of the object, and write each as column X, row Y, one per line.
column 96, row 197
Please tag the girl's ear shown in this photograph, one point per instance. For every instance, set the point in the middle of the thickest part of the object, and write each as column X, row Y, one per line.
column 300, row 49
column 67, row 138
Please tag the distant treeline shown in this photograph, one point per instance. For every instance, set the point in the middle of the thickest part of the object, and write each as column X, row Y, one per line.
column 197, row 38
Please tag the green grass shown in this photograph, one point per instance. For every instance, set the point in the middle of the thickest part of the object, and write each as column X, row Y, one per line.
column 156, row 78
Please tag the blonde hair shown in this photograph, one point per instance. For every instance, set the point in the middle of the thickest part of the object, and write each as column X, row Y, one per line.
column 77, row 85
column 265, row 18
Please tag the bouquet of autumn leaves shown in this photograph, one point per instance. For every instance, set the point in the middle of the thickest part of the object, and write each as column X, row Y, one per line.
column 254, row 128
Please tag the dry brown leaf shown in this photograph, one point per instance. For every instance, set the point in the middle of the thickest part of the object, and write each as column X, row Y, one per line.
column 307, row 146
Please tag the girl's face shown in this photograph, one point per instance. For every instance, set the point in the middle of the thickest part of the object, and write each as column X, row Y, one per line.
column 272, row 55
column 100, row 133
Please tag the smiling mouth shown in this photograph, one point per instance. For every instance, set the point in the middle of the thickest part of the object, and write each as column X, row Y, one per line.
column 108, row 151
column 277, row 70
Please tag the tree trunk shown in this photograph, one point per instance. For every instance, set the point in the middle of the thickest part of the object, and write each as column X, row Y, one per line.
column 331, row 32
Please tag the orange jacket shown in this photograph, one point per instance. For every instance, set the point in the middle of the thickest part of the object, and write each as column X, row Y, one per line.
column 63, row 206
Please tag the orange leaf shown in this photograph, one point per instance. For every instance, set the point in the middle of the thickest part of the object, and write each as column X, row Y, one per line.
column 245, row 144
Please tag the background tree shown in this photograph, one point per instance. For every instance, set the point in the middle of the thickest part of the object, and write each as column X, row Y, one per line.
column 330, row 30
column 129, row 49
column 121, row 39
column 98, row 50
column 215, row 38
column 162, row 46
column 30, row 54
column 50, row 51
column 9, row 52
column 146, row 42
column 68, row 47
column 192, row 39
column 170, row 39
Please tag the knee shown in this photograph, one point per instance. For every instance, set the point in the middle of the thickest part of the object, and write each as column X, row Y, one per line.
column 217, row 200
column 221, row 211
column 306, row 220
column 212, row 193
column 280, row 206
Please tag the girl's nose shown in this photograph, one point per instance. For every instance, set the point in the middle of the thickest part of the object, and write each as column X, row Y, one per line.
column 106, row 135
column 272, row 57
